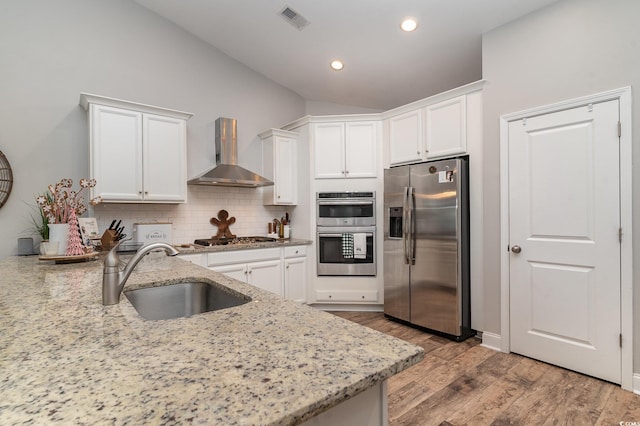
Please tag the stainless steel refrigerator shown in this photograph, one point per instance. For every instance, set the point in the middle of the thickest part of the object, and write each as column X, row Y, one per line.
column 426, row 246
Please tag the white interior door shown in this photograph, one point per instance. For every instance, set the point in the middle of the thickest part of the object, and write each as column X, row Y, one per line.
column 564, row 213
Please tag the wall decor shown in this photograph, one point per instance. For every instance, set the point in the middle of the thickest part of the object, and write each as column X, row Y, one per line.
column 6, row 179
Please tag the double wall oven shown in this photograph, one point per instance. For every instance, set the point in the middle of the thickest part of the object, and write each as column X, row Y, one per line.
column 346, row 233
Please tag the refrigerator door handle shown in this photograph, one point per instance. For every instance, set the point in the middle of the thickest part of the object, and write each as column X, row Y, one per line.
column 405, row 226
column 411, row 203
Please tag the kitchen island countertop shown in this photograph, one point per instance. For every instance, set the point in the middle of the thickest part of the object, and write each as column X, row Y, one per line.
column 67, row 358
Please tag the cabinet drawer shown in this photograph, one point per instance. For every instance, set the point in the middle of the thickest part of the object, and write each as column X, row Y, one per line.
column 347, row 296
column 242, row 256
column 295, row 251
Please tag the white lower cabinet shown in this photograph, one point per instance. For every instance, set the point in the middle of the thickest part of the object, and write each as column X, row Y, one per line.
column 295, row 273
column 237, row 271
column 282, row 271
column 266, row 275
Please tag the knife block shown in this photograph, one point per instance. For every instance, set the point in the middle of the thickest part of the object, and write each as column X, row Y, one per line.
column 108, row 240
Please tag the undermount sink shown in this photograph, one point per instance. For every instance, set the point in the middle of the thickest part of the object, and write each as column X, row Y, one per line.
column 182, row 300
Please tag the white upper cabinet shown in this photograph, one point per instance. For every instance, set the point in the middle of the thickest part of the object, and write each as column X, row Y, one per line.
column 431, row 128
column 361, row 144
column 137, row 153
column 115, row 153
column 280, row 164
column 345, row 149
column 329, row 150
column 406, row 138
column 446, row 131
column 164, row 165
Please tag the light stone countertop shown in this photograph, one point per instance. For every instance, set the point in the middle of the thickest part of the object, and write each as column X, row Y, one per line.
column 64, row 357
column 195, row 248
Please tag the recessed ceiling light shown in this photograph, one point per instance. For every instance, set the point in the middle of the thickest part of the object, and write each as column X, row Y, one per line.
column 409, row 24
column 337, row 65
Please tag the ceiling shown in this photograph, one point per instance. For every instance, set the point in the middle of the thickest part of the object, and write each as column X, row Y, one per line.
column 384, row 66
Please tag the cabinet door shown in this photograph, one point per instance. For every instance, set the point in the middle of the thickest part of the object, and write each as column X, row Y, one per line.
column 164, row 154
column 116, row 153
column 285, row 172
column 295, row 279
column 406, row 138
column 328, row 139
column 446, row 128
column 360, row 149
column 266, row 275
column 237, row 271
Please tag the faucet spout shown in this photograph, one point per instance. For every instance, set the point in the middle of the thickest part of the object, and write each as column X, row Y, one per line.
column 113, row 279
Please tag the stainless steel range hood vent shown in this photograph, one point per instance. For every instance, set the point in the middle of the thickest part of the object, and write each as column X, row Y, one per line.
column 227, row 172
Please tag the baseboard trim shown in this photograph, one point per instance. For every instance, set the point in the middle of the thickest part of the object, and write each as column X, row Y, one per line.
column 491, row 341
column 636, row 383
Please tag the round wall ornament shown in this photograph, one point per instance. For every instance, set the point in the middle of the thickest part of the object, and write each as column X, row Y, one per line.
column 6, row 179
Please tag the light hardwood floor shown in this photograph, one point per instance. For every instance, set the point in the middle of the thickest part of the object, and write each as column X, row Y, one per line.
column 467, row 384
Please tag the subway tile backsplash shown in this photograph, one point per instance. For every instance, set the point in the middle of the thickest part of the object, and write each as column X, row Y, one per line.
column 191, row 220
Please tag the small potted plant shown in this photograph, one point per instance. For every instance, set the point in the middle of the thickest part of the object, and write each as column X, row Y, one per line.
column 56, row 206
column 40, row 222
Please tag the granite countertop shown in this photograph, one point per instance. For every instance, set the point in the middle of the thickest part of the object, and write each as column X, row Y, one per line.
column 64, row 357
column 195, row 248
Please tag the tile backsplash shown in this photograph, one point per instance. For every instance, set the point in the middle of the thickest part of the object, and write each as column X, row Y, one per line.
column 191, row 220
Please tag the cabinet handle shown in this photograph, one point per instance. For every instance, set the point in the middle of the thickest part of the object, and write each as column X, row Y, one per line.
column 418, row 152
column 288, row 266
column 250, row 271
column 146, row 192
column 347, row 172
column 140, row 192
column 278, row 197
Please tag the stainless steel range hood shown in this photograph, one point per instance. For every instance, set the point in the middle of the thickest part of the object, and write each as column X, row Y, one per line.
column 227, row 172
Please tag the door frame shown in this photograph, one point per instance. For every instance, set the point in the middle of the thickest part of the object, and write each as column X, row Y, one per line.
column 623, row 95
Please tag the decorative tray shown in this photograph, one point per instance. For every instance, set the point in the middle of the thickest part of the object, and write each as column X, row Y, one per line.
column 71, row 259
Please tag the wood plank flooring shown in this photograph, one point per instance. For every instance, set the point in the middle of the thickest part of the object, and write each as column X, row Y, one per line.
column 467, row 384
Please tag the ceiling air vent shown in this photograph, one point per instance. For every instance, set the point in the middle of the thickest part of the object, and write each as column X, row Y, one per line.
column 294, row 18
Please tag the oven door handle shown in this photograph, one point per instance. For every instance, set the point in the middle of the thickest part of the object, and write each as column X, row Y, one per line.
column 328, row 235
column 345, row 202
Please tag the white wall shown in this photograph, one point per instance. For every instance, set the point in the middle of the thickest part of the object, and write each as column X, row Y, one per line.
column 329, row 108
column 568, row 50
column 50, row 51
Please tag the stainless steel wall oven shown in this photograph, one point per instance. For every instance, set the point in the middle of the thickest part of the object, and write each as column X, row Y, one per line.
column 346, row 233
column 346, row 208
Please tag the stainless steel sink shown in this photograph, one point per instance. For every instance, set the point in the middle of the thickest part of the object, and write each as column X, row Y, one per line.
column 182, row 300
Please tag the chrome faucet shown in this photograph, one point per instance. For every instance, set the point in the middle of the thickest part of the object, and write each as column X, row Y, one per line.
column 113, row 278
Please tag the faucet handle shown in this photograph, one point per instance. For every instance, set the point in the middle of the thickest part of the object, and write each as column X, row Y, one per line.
column 112, row 260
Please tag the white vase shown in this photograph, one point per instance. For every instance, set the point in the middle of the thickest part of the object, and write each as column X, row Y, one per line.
column 59, row 232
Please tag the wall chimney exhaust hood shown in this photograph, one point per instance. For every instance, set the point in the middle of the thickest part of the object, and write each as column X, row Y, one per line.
column 227, row 172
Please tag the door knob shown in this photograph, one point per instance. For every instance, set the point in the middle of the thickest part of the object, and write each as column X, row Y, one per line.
column 516, row 249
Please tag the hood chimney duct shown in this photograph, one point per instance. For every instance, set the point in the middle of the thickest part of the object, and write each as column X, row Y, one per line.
column 227, row 172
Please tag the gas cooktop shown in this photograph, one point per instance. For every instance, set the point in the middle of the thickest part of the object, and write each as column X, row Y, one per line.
column 237, row 240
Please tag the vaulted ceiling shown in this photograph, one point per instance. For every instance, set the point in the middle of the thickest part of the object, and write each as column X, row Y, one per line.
column 384, row 67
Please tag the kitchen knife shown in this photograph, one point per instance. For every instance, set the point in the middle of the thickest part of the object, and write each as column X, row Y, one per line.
column 118, row 225
column 112, row 223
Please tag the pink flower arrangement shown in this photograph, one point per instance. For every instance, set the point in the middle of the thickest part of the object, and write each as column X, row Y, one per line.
column 57, row 205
